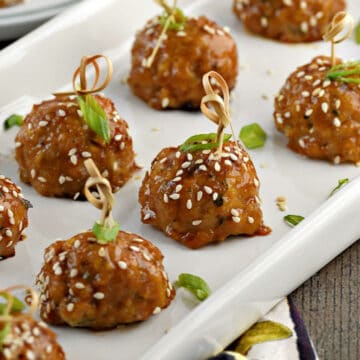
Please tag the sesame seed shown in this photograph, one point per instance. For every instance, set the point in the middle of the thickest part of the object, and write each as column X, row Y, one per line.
column 61, row 112
column 118, row 137
column 99, row 296
column 208, row 190
column 304, row 27
column 337, row 122
column 8, row 233
column 86, row 154
column 157, row 310
column 73, row 273
column 301, row 143
column 189, row 204
column 308, row 112
column 235, row 212
column 147, row 216
column 202, row 167
column 189, row 156
column 228, row 162
column 300, row 74
column 199, row 195
column 41, row 179
column 101, row 252
column 33, row 173
column 264, row 22
column 256, row 182
column 70, row 307
column 36, row 331
column 122, row 265
column 30, row 355
column 236, row 219
column 79, row 285
column 215, row 196
column 79, row 112
column 209, row 29
column 217, row 167
column 179, row 172
column 325, row 107
column 165, row 102
column 178, row 154
column 166, row 198
column 186, row 164
column 134, row 248
column 62, row 179
column 74, row 159
column 196, row 222
column 326, row 83
column 251, row 220
column 305, row 94
column 287, row 115
column 337, row 160
column 58, row 271
column 43, row 123
column 177, row 179
column 174, row 196
column 72, row 151
column 77, row 243
column 338, row 104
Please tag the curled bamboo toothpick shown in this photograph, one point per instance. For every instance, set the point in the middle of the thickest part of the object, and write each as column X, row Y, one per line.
column 171, row 11
column 32, row 307
column 80, row 72
column 220, row 112
column 106, row 201
column 336, row 33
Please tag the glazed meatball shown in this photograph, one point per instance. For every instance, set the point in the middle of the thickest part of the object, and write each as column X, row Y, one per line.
column 29, row 339
column 6, row 3
column 54, row 141
column 320, row 118
column 13, row 216
column 86, row 284
column 198, row 198
column 174, row 79
column 291, row 21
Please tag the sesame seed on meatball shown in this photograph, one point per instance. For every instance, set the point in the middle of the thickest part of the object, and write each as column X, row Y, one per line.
column 54, row 141
column 87, row 284
column 13, row 216
column 174, row 80
column 290, row 21
column 320, row 117
column 200, row 197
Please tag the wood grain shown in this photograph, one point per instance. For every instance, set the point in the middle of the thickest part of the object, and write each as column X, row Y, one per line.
column 329, row 303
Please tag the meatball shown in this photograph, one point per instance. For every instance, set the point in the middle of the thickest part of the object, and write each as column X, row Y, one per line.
column 6, row 3
column 320, row 117
column 86, row 284
column 13, row 216
column 198, row 198
column 29, row 339
column 290, row 21
column 174, row 79
column 54, row 141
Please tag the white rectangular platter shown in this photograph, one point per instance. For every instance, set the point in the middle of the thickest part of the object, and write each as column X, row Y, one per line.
column 248, row 275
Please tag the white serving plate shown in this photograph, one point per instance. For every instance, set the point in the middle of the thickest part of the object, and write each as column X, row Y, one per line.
column 18, row 20
column 248, row 275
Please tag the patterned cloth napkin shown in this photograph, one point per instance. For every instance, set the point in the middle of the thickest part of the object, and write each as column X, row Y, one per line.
column 297, row 347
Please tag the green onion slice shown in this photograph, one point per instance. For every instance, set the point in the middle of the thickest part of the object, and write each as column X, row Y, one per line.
column 262, row 332
column 357, row 33
column 341, row 183
column 13, row 120
column 341, row 72
column 105, row 234
column 293, row 220
column 194, row 284
column 95, row 116
column 253, row 136
column 194, row 143
column 178, row 24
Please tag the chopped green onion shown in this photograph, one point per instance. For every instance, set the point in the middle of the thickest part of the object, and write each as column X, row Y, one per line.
column 95, row 116
column 253, row 136
column 341, row 72
column 13, row 120
column 341, row 183
column 178, row 24
column 16, row 307
column 194, row 284
column 4, row 332
column 293, row 220
column 194, row 143
column 262, row 332
column 357, row 33
column 105, row 234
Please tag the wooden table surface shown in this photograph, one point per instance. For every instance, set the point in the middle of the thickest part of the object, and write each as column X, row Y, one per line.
column 330, row 304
